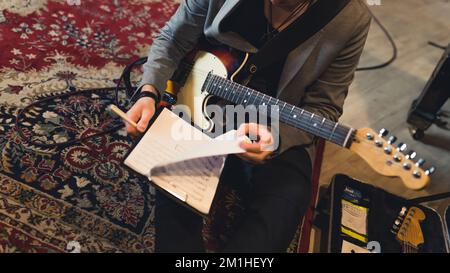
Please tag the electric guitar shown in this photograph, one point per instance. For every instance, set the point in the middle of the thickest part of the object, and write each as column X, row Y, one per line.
column 407, row 229
column 209, row 72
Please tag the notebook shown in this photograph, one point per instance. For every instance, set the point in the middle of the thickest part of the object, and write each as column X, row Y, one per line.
column 182, row 160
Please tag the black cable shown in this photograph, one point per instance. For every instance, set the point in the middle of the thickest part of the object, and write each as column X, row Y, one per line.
column 391, row 41
column 431, row 43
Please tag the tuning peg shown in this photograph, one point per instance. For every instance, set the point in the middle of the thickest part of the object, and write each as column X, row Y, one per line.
column 420, row 162
column 388, row 150
column 403, row 211
column 402, row 147
column 379, row 143
column 392, row 139
column 407, row 166
column 411, row 155
column 394, row 229
column 397, row 157
column 383, row 133
column 430, row 171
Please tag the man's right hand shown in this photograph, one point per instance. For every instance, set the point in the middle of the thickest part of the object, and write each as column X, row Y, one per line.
column 141, row 112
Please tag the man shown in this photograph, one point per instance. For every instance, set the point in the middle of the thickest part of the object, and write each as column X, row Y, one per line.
column 275, row 186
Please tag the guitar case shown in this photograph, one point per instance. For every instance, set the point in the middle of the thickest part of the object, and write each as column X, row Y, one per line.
column 383, row 211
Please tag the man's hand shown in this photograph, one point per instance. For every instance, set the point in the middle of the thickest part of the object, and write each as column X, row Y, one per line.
column 257, row 151
column 141, row 112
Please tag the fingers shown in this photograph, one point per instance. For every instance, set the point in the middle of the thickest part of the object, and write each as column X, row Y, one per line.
column 147, row 114
column 256, row 131
column 261, row 132
column 142, row 111
column 254, row 147
column 134, row 115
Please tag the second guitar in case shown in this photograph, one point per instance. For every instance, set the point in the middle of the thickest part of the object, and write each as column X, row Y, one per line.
column 357, row 217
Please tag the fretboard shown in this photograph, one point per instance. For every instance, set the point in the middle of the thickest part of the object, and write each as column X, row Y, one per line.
column 288, row 113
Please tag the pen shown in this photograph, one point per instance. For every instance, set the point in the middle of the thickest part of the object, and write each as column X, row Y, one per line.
column 121, row 114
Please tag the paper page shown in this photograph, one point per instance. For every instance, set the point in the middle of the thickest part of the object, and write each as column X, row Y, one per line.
column 354, row 217
column 186, row 163
column 225, row 144
column 348, row 247
column 163, row 143
column 194, row 180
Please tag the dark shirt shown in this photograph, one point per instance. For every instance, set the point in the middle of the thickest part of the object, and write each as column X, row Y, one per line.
column 249, row 21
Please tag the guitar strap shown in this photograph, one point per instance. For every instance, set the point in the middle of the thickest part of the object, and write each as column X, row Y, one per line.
column 308, row 24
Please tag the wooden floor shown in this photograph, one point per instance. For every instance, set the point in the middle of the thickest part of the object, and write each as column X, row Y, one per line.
column 381, row 98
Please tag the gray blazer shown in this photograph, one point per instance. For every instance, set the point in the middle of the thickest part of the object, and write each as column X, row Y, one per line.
column 316, row 75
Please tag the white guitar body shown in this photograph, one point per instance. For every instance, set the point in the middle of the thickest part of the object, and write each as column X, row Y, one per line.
column 191, row 94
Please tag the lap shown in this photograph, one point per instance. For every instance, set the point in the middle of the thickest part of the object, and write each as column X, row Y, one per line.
column 274, row 197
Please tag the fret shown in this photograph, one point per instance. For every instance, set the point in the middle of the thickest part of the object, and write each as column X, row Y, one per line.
column 315, row 124
column 301, row 113
column 245, row 96
column 332, row 132
column 321, row 128
column 227, row 93
column 219, row 87
column 233, row 92
column 259, row 99
column 254, row 96
column 282, row 108
column 269, row 100
column 263, row 100
column 242, row 94
column 347, row 138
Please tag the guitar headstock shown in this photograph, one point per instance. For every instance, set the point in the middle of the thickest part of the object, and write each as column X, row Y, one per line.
column 407, row 228
column 390, row 159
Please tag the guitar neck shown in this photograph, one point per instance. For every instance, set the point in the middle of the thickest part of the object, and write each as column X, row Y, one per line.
column 289, row 114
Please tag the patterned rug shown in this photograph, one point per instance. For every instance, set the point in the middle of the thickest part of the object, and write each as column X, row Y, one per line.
column 78, row 194
column 52, row 196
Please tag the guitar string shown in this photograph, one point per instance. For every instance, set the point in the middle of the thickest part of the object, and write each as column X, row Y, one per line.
column 322, row 130
column 339, row 137
column 260, row 97
column 319, row 130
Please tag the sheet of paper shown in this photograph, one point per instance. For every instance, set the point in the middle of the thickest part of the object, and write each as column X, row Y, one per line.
column 163, row 143
column 193, row 180
column 348, row 247
column 183, row 160
column 354, row 217
column 225, row 144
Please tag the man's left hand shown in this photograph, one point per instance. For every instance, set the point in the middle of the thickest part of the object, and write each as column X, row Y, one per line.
column 257, row 151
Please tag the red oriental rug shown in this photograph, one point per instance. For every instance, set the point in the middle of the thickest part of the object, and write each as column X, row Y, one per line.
column 78, row 197
column 82, row 193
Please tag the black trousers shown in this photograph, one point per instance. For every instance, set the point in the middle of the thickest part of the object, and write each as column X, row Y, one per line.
column 275, row 194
